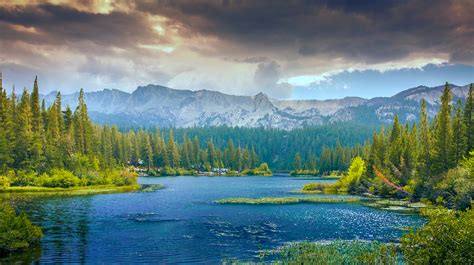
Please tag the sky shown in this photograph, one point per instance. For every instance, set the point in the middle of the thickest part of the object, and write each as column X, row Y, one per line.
column 288, row 49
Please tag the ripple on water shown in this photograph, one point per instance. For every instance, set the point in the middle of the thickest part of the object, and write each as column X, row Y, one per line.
column 150, row 217
column 180, row 224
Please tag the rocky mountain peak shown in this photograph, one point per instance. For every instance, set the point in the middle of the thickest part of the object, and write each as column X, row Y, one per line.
column 154, row 105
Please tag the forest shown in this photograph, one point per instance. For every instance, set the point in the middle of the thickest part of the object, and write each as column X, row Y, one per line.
column 430, row 160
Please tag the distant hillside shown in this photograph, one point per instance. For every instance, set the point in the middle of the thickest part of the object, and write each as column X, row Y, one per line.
column 154, row 105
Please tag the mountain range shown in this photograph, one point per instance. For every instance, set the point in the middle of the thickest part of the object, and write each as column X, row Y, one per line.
column 160, row 106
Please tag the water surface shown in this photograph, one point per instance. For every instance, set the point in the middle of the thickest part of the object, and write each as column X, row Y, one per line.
column 181, row 224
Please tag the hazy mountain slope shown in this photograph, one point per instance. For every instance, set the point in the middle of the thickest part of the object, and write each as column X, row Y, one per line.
column 154, row 105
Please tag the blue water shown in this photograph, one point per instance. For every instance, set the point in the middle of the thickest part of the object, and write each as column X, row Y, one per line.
column 181, row 224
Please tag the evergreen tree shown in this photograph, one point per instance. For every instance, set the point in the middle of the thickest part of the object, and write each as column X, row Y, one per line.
column 297, row 162
column 469, row 120
column 443, row 135
column 459, row 134
column 37, row 129
column 425, row 140
column 172, row 150
column 23, row 129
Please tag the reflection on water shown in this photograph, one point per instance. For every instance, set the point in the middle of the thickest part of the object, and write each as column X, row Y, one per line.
column 181, row 224
column 31, row 255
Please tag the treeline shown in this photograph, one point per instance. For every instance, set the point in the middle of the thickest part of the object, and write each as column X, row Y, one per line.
column 278, row 147
column 430, row 160
column 330, row 159
column 36, row 138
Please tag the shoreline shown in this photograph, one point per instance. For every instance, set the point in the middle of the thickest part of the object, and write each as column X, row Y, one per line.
column 74, row 191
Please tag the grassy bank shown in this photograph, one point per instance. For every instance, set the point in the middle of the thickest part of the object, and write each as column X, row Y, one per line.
column 83, row 190
column 287, row 200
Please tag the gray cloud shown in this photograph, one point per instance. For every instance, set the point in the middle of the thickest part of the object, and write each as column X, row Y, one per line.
column 267, row 78
column 218, row 43
column 362, row 30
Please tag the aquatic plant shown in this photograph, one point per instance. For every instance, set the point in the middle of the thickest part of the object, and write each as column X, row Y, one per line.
column 151, row 187
column 16, row 231
column 339, row 252
column 286, row 200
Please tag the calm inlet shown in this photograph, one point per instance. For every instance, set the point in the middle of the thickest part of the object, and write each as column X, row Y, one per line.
column 182, row 224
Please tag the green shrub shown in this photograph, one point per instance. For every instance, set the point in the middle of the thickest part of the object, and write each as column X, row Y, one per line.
column 262, row 170
column 58, row 178
column 122, row 177
column 350, row 181
column 16, row 231
column 305, row 172
column 168, row 171
column 4, row 182
column 22, row 178
column 316, row 186
column 447, row 238
column 152, row 172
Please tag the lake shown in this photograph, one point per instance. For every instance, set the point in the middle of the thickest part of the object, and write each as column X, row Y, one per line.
column 182, row 224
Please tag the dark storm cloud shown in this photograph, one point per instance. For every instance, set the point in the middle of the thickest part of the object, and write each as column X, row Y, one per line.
column 374, row 31
column 56, row 24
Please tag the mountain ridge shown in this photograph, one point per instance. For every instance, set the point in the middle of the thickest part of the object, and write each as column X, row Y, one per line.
column 161, row 106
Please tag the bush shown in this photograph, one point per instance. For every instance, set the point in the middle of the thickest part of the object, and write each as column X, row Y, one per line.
column 262, row 170
column 168, row 171
column 305, row 172
column 316, row 186
column 152, row 172
column 447, row 238
column 22, row 178
column 16, row 231
column 121, row 177
column 4, row 182
column 58, row 178
column 349, row 182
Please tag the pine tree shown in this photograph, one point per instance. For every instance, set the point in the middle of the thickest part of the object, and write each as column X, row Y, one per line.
column 469, row 120
column 425, row 140
column 172, row 150
column 297, row 162
column 443, row 135
column 149, row 152
column 5, row 127
column 37, row 129
column 459, row 134
column 23, row 129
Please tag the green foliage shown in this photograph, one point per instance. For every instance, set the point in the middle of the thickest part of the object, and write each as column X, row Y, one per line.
column 22, row 178
column 4, row 182
column 262, row 170
column 350, row 181
column 447, row 238
column 305, row 172
column 340, row 252
column 16, row 231
column 121, row 177
column 287, row 200
column 58, row 178
column 316, row 187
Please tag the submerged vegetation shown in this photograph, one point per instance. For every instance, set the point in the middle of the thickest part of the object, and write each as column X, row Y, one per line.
column 287, row 200
column 339, row 252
